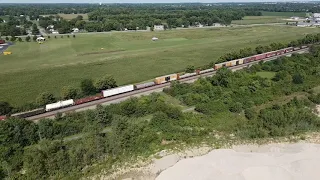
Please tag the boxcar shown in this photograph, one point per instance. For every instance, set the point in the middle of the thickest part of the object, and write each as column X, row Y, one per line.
column 260, row 56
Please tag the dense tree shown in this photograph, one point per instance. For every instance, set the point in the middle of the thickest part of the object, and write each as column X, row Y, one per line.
column 5, row 108
column 34, row 38
column 45, row 98
column 105, row 82
column 87, row 87
column 35, row 30
column 20, row 39
column 68, row 92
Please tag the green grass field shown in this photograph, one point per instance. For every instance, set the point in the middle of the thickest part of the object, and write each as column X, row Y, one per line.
column 128, row 56
column 269, row 17
column 284, row 14
column 260, row 20
column 266, row 74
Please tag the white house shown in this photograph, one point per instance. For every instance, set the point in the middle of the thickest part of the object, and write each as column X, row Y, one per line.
column 75, row 30
column 158, row 27
column 155, row 39
column 41, row 39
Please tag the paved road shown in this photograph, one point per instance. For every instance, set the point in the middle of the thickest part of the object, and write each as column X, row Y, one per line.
column 121, row 97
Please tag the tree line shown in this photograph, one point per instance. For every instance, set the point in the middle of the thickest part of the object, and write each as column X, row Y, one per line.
column 241, row 103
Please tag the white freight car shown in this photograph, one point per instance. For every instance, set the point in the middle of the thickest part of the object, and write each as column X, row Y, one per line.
column 206, row 71
column 59, row 104
column 187, row 75
column 118, row 90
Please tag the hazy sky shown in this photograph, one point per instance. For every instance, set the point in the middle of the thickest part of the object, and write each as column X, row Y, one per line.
column 134, row 1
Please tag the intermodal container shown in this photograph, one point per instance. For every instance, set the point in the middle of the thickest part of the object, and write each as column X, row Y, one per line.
column 240, row 61
column 88, row 99
column 118, row 90
column 144, row 85
column 234, row 62
column 167, row 78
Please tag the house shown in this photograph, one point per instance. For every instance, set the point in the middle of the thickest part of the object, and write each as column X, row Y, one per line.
column 158, row 27
column 39, row 39
column 155, row 39
column 55, row 32
column 294, row 18
column 50, row 27
column 75, row 30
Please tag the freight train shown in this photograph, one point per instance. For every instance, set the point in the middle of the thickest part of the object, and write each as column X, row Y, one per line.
column 157, row 81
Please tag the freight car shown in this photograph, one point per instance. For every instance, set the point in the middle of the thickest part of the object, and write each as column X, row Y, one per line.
column 118, row 90
column 167, row 78
column 59, row 104
column 144, row 85
column 2, row 118
column 87, row 99
column 188, row 75
column 29, row 113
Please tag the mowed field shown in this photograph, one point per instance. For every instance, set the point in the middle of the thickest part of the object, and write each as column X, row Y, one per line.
column 128, row 56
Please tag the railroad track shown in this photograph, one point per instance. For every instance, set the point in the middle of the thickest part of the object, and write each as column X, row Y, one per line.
column 158, row 88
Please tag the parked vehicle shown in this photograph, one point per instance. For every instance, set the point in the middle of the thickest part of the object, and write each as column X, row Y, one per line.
column 2, row 41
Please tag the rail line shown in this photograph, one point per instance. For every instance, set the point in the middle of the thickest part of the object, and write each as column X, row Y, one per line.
column 121, row 97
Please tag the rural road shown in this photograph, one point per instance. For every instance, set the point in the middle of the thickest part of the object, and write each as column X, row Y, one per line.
column 137, row 93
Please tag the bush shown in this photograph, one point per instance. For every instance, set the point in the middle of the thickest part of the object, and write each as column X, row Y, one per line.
column 34, row 38
column 19, row 39
column 5, row 108
column 7, row 38
column 250, row 114
column 297, row 79
column 28, row 38
column 236, row 107
column 74, row 36
column 13, row 38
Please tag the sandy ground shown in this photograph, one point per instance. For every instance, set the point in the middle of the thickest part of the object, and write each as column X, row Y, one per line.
column 251, row 162
column 279, row 160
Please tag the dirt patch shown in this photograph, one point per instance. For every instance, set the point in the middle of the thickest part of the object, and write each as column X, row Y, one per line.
column 100, row 52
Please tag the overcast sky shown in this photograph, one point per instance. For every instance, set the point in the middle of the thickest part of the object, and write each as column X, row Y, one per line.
column 135, row 1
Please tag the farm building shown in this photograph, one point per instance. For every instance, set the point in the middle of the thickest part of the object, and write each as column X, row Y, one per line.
column 158, row 27
column 155, row 39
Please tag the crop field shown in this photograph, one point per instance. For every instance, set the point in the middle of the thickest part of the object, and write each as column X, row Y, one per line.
column 128, row 56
